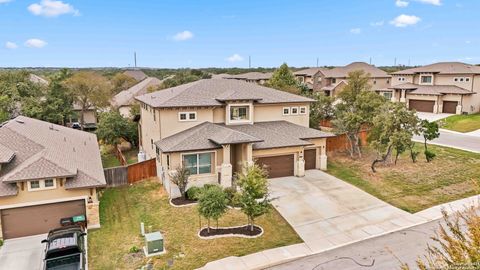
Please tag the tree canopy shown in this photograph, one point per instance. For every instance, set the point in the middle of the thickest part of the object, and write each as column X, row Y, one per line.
column 112, row 127
column 283, row 79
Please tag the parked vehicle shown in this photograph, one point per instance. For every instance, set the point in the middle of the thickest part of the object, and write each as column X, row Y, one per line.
column 65, row 249
column 76, row 125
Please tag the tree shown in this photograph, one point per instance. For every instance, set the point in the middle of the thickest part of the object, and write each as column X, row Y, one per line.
column 321, row 109
column 180, row 178
column 89, row 90
column 356, row 109
column 212, row 204
column 458, row 243
column 183, row 77
column 393, row 128
column 283, row 79
column 430, row 132
column 254, row 193
column 112, row 127
column 122, row 82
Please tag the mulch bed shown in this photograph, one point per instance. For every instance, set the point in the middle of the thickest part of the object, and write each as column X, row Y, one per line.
column 244, row 230
column 182, row 201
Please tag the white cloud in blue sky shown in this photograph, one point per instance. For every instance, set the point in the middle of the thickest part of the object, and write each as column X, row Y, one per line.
column 235, row 58
column 401, row 3
column 51, row 8
column 431, row 2
column 405, row 20
column 356, row 31
column 182, row 36
column 5, row 1
column 35, row 43
column 11, row 45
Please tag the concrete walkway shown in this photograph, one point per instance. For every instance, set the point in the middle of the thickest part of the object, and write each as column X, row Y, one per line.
column 455, row 140
column 24, row 253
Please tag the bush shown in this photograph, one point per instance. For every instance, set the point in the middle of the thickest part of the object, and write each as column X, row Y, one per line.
column 134, row 249
column 208, row 186
column 233, row 196
column 212, row 204
column 429, row 155
column 1, row 242
column 193, row 193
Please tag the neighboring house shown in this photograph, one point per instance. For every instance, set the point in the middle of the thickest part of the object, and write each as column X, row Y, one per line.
column 251, row 77
column 124, row 100
column 447, row 87
column 332, row 81
column 89, row 116
column 137, row 74
column 47, row 172
column 311, row 77
column 37, row 79
column 215, row 127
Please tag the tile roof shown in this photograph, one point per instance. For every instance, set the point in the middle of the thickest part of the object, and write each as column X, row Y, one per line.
column 127, row 97
column 263, row 135
column 44, row 150
column 212, row 92
column 250, row 76
column 309, row 71
column 342, row 72
column 442, row 68
column 136, row 74
column 436, row 90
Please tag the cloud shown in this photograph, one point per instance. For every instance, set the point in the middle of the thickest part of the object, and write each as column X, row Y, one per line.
column 11, row 45
column 182, row 36
column 356, row 31
column 377, row 24
column 35, row 43
column 401, row 3
column 235, row 58
column 52, row 8
column 5, row 1
column 405, row 20
column 431, row 2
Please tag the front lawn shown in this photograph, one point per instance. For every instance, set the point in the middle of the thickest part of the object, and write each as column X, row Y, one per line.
column 452, row 175
column 122, row 210
column 461, row 123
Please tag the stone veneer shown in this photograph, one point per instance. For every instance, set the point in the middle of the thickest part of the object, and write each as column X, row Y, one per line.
column 93, row 215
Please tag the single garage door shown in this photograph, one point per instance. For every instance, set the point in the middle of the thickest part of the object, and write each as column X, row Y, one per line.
column 421, row 105
column 38, row 219
column 310, row 157
column 450, row 106
column 278, row 166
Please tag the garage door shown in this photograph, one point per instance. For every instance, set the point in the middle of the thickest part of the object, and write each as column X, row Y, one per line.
column 38, row 219
column 310, row 157
column 450, row 106
column 421, row 105
column 278, row 166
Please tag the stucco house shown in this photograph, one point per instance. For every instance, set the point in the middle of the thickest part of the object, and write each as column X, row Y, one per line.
column 251, row 77
column 124, row 100
column 89, row 116
column 47, row 172
column 445, row 87
column 215, row 127
column 311, row 77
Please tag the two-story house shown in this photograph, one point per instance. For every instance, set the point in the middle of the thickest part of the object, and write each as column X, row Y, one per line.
column 447, row 87
column 124, row 100
column 216, row 127
column 251, row 77
column 332, row 81
column 311, row 77
column 47, row 172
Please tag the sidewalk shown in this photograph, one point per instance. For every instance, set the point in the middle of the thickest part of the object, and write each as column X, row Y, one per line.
column 279, row 255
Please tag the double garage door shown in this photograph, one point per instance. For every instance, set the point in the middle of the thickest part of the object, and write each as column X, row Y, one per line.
column 284, row 165
column 427, row 106
column 38, row 219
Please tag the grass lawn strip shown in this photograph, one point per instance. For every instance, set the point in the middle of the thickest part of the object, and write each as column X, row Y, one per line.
column 122, row 210
column 461, row 123
column 452, row 175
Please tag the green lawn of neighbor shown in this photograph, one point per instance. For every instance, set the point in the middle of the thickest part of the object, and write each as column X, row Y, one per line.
column 461, row 123
column 109, row 159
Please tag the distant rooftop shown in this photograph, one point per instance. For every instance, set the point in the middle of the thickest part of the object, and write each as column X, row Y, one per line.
column 442, row 68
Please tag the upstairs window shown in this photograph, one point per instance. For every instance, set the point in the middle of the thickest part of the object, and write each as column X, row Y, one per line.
column 426, row 79
column 41, row 184
column 286, row 111
column 303, row 110
column 187, row 116
column 239, row 113
column 34, row 184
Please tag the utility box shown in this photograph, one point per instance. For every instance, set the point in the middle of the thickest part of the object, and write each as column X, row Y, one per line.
column 153, row 244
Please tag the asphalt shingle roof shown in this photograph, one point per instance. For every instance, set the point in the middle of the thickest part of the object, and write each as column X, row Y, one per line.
column 342, row 72
column 6, row 154
column 436, row 90
column 43, row 150
column 136, row 74
column 442, row 68
column 212, row 92
column 309, row 71
column 127, row 97
column 250, row 76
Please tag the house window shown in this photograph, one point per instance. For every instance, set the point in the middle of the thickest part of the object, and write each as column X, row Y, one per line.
column 401, row 79
column 303, row 110
column 238, row 113
column 286, row 111
column 334, row 80
column 467, row 79
column 387, row 95
column 294, row 110
column 187, row 116
column 426, row 79
column 151, row 143
column 374, row 81
column 34, row 184
column 168, row 162
column 200, row 163
column 41, row 184
column 300, row 79
column 49, row 183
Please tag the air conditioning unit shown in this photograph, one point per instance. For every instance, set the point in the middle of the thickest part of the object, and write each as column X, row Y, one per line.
column 153, row 244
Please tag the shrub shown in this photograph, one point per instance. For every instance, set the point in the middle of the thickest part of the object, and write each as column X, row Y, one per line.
column 134, row 249
column 208, row 186
column 233, row 196
column 193, row 193
column 180, row 178
column 212, row 204
column 429, row 155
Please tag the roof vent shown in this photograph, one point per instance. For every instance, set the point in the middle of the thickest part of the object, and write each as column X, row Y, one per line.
column 19, row 121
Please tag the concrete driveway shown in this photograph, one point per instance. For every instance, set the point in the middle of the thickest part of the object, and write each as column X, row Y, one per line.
column 327, row 212
column 432, row 116
column 24, row 253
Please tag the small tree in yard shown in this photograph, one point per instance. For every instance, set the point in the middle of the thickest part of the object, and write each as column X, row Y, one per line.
column 180, row 178
column 254, row 193
column 458, row 243
column 212, row 204
column 429, row 132
column 112, row 127
column 321, row 109
column 283, row 79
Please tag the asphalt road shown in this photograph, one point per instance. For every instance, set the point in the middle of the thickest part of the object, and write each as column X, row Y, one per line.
column 384, row 252
column 456, row 140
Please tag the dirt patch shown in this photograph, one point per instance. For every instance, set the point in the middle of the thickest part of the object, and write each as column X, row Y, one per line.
column 243, row 230
column 182, row 201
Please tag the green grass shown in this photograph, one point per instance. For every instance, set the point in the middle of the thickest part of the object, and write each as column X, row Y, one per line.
column 109, row 159
column 122, row 210
column 452, row 175
column 461, row 123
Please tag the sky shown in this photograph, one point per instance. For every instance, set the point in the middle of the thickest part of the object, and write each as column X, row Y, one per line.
column 214, row 33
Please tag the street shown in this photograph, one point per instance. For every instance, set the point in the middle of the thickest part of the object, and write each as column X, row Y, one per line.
column 455, row 140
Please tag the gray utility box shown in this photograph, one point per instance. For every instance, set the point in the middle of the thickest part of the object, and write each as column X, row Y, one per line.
column 154, row 242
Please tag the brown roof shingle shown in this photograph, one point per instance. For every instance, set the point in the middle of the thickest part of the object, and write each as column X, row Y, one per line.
column 442, row 68
column 127, row 97
column 436, row 90
column 342, row 72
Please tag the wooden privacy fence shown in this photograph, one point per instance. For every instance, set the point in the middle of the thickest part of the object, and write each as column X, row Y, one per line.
column 340, row 142
column 124, row 175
